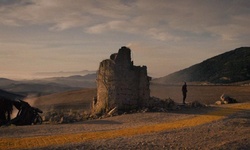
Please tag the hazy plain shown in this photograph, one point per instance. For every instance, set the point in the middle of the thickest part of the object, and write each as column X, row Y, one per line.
column 82, row 99
column 207, row 94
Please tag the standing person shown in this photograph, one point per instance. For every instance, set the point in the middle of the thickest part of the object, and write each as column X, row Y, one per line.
column 184, row 92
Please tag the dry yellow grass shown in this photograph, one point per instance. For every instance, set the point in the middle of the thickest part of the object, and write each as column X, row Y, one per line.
column 43, row 141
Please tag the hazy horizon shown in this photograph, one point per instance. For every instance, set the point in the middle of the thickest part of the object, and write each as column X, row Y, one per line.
column 166, row 36
column 44, row 75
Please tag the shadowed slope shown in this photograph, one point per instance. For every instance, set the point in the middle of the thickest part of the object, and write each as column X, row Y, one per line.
column 229, row 67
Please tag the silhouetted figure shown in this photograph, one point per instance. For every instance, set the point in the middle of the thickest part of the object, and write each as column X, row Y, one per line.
column 184, row 92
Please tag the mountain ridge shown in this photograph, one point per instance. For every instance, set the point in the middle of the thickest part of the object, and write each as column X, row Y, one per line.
column 42, row 75
column 230, row 67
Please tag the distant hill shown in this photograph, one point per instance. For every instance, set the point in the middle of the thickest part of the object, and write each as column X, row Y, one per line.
column 49, row 85
column 5, row 82
column 87, row 81
column 62, row 73
column 229, row 67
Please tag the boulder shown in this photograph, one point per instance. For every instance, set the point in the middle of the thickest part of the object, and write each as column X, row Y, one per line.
column 218, row 103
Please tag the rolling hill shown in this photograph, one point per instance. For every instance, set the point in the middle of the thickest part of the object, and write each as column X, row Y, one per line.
column 87, row 81
column 48, row 85
column 42, row 75
column 229, row 67
column 6, row 82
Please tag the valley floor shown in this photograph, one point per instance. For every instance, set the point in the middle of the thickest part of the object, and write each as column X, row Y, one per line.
column 216, row 127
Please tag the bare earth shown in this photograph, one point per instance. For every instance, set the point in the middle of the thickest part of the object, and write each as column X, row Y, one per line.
column 215, row 127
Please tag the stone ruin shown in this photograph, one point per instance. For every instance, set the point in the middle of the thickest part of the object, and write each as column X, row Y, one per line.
column 120, row 84
column 123, row 87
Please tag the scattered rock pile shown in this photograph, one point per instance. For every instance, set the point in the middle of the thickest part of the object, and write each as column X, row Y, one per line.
column 195, row 104
column 161, row 105
column 55, row 117
column 154, row 104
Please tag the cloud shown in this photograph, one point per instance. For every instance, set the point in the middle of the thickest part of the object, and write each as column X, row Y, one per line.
column 59, row 13
column 164, row 20
column 110, row 26
column 180, row 19
column 77, row 31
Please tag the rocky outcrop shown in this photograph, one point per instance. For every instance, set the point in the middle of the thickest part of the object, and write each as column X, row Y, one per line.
column 120, row 84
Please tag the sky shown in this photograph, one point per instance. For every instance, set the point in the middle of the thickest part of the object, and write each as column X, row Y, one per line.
column 75, row 35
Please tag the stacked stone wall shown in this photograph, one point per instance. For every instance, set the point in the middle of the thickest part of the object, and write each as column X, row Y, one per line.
column 121, row 84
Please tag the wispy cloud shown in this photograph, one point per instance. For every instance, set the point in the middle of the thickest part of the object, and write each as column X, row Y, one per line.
column 78, row 30
column 162, row 20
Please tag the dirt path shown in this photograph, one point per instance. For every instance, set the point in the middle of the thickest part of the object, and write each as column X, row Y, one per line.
column 127, row 131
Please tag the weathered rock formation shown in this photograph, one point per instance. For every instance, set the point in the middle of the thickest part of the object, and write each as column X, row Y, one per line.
column 120, row 84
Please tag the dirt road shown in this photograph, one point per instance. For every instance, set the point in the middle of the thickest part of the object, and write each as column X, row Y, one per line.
column 221, row 127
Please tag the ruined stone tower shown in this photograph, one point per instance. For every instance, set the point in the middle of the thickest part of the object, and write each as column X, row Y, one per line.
column 120, row 84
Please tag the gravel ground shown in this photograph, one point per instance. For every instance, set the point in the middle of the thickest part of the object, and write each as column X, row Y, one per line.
column 111, row 123
column 231, row 132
